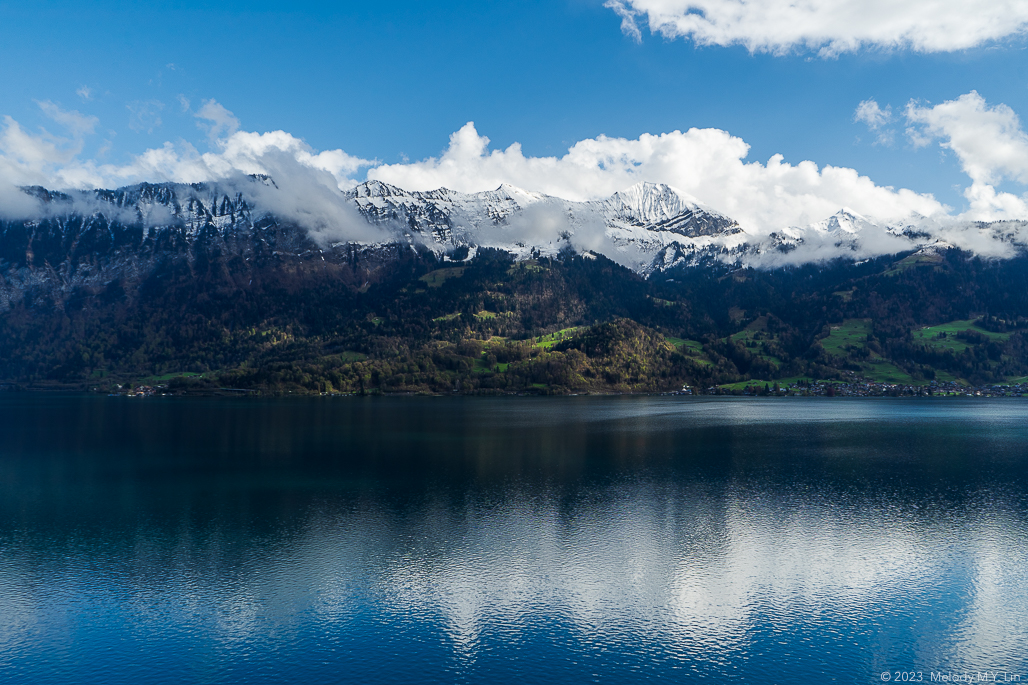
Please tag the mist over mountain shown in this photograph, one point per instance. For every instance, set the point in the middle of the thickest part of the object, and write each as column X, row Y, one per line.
column 257, row 283
column 78, row 239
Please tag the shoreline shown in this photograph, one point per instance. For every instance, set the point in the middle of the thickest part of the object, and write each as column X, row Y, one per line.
column 840, row 393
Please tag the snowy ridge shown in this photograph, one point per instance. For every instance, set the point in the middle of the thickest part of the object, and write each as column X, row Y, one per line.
column 439, row 212
column 648, row 227
column 849, row 235
column 648, row 203
column 631, row 226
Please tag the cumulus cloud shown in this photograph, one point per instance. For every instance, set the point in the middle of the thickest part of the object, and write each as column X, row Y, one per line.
column 989, row 142
column 28, row 158
column 871, row 114
column 705, row 163
column 43, row 158
column 85, row 92
column 36, row 158
column 216, row 120
column 305, row 184
column 829, row 27
column 708, row 164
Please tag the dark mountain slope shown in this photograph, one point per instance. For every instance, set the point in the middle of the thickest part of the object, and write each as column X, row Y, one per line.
column 395, row 318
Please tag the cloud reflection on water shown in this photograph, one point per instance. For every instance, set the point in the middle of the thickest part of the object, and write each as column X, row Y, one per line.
column 709, row 537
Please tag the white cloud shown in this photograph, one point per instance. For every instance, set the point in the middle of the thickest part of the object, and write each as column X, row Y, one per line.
column 31, row 156
column 988, row 140
column 708, row 164
column 871, row 114
column 628, row 24
column 24, row 157
column 990, row 143
column 705, row 163
column 75, row 122
column 43, row 158
column 85, row 92
column 305, row 183
column 216, row 120
column 829, row 27
column 876, row 118
column 277, row 154
column 14, row 204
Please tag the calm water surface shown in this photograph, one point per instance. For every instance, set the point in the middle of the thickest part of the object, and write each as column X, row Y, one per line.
column 573, row 540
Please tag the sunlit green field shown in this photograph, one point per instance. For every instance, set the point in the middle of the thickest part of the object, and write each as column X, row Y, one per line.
column 434, row 279
column 548, row 341
column 931, row 335
column 850, row 334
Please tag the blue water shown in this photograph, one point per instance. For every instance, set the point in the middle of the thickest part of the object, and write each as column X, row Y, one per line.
column 528, row 540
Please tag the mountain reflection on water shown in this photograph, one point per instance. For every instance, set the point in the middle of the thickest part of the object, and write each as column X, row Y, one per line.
column 487, row 540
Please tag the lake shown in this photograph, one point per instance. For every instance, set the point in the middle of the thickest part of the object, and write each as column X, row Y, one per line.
column 529, row 540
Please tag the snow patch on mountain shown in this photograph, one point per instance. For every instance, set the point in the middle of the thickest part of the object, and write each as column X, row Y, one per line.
column 649, row 227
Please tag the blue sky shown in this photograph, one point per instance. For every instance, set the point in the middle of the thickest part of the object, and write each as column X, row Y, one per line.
column 390, row 82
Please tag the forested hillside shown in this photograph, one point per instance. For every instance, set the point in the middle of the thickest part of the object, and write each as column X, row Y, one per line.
column 491, row 324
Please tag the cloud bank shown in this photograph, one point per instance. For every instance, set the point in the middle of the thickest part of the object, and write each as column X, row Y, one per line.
column 988, row 140
column 828, row 27
column 306, row 186
column 705, row 163
column 709, row 165
column 990, row 144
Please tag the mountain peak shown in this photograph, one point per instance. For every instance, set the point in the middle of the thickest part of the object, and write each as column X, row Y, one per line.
column 648, row 203
column 845, row 221
column 373, row 188
column 508, row 195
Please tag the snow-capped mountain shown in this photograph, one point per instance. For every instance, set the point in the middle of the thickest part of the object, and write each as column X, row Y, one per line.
column 444, row 217
column 631, row 226
column 848, row 234
column 91, row 238
column 658, row 207
column 842, row 231
column 653, row 227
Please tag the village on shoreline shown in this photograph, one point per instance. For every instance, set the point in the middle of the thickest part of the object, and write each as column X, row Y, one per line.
column 865, row 389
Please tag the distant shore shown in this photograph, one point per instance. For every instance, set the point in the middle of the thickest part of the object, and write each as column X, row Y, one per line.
column 754, row 388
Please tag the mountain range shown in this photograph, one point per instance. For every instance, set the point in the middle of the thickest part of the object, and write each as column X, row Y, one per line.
column 381, row 289
column 80, row 238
